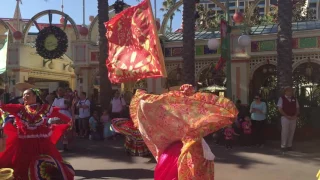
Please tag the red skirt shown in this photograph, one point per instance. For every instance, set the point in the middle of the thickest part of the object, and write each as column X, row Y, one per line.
column 20, row 152
column 134, row 143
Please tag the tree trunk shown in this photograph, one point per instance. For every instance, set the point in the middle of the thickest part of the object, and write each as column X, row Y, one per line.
column 105, row 84
column 284, row 45
column 171, row 19
column 189, row 20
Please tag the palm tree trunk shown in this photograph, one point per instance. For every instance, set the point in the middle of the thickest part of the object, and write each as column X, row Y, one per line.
column 188, row 41
column 171, row 19
column 105, row 84
column 284, row 45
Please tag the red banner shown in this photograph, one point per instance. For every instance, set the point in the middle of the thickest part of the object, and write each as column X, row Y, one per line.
column 224, row 45
column 134, row 46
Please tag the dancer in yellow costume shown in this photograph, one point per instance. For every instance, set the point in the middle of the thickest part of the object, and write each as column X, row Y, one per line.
column 173, row 126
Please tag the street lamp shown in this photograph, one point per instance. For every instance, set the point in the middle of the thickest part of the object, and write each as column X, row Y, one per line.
column 77, row 71
column 8, row 75
column 244, row 41
column 213, row 44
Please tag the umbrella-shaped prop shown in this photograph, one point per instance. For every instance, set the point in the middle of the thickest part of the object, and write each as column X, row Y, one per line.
column 22, row 86
column 212, row 89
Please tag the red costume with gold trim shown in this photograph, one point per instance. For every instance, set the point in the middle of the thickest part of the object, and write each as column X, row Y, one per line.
column 31, row 136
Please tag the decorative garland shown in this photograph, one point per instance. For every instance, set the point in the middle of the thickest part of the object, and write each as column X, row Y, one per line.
column 51, row 42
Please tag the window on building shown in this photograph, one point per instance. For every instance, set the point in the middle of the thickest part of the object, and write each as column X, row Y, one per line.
column 261, row 3
column 232, row 11
column 241, row 3
column 211, row 6
column 220, row 12
column 242, row 10
column 232, row 4
column 261, row 10
column 312, row 5
column 274, row 2
column 203, row 4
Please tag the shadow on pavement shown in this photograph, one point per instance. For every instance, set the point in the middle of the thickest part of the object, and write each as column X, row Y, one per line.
column 112, row 150
column 236, row 155
column 244, row 158
column 116, row 173
column 233, row 157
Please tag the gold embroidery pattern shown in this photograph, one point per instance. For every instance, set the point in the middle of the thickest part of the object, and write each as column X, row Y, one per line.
column 175, row 116
column 134, row 50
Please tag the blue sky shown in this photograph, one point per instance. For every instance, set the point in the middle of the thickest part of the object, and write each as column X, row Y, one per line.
column 72, row 7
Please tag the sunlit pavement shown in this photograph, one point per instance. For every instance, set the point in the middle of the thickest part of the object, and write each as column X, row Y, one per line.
column 107, row 160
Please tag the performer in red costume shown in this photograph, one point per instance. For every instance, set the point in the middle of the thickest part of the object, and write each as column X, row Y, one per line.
column 31, row 136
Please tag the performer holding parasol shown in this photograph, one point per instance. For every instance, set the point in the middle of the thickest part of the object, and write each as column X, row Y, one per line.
column 173, row 126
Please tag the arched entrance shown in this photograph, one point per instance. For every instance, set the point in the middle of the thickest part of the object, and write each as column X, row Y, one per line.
column 174, row 78
column 212, row 81
column 307, row 88
column 264, row 82
column 33, row 21
column 306, row 81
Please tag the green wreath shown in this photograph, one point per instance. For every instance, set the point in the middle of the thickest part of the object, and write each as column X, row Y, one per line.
column 51, row 42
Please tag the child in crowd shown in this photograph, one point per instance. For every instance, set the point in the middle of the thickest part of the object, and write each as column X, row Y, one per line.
column 246, row 127
column 93, row 124
column 228, row 134
column 107, row 131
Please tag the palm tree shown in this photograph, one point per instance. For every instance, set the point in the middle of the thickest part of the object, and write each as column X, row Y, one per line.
column 105, row 84
column 284, row 44
column 189, row 8
column 207, row 20
column 166, row 6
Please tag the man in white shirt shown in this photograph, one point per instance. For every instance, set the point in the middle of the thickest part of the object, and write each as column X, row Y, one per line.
column 64, row 106
column 84, row 114
column 289, row 109
column 118, row 104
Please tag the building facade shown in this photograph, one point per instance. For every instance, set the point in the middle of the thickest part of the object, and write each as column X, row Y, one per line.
column 253, row 67
column 265, row 6
column 23, row 62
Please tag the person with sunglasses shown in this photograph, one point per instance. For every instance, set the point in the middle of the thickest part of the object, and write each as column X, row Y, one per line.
column 258, row 110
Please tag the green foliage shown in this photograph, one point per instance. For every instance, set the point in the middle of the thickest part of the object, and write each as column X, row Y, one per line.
column 208, row 19
column 252, row 19
column 300, row 13
column 272, row 113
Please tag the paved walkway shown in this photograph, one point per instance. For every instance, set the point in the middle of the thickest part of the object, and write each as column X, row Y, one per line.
column 107, row 160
